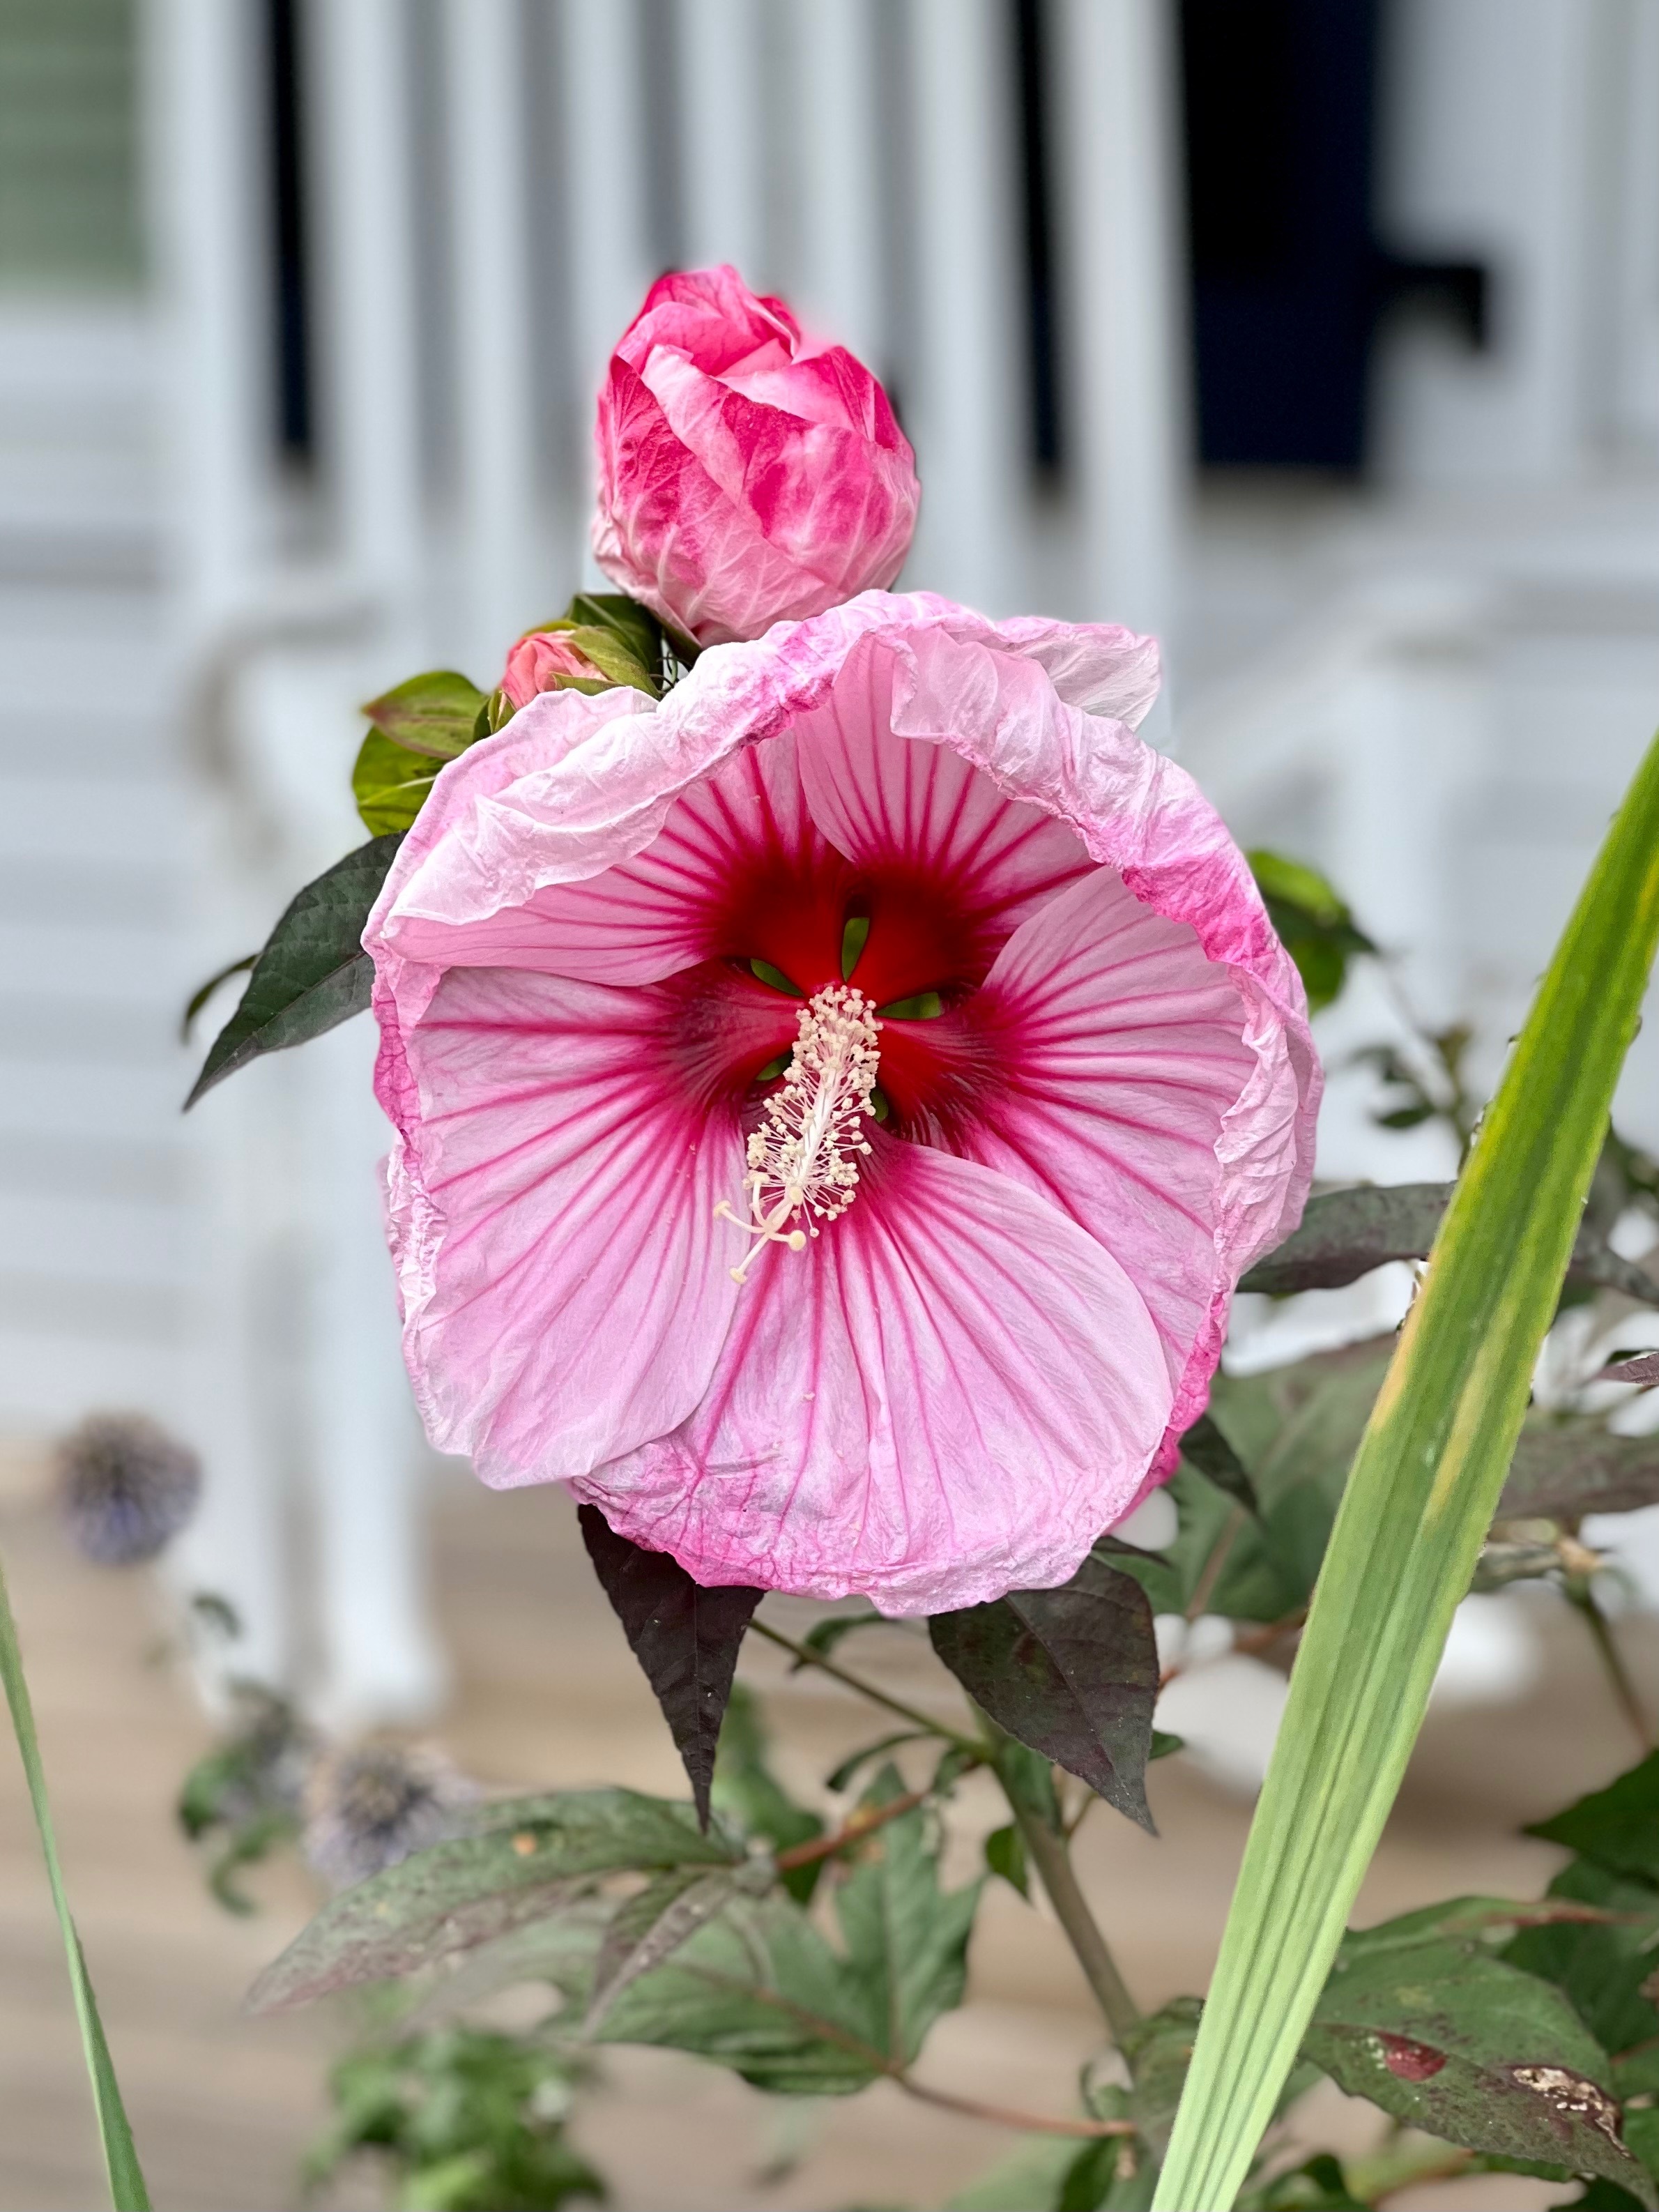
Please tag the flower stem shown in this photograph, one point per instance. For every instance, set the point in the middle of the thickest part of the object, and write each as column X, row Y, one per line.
column 806, row 1657
column 1005, row 2117
column 1581, row 1595
column 1048, row 1852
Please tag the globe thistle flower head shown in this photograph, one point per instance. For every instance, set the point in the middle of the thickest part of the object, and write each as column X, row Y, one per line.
column 370, row 1806
column 125, row 1487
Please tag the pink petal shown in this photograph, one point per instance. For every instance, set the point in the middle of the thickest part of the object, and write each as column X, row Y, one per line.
column 947, row 1396
column 566, row 1286
column 886, row 800
column 1118, row 1052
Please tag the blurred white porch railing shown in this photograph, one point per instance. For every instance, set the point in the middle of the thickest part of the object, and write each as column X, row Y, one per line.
column 490, row 187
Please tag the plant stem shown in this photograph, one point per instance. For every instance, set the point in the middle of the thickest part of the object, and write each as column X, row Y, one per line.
column 824, row 1847
column 1005, row 2117
column 1583, row 1596
column 895, row 1705
column 1048, row 1852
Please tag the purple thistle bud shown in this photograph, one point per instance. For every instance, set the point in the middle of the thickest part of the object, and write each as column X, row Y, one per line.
column 371, row 1806
column 125, row 1487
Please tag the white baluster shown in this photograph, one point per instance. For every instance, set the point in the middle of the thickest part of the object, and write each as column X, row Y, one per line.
column 368, row 359
column 1128, row 411
column 965, row 412
column 834, row 109
column 202, row 63
column 610, row 263
column 505, row 580
column 719, row 60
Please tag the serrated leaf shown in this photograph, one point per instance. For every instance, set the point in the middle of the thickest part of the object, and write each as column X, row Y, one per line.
column 1617, row 1826
column 1073, row 1672
column 746, row 1791
column 1345, row 1234
column 907, row 1939
column 1465, row 2046
column 760, row 1990
column 648, row 1927
column 1601, row 1966
column 313, row 974
column 436, row 714
column 1565, row 1469
column 518, row 1862
column 684, row 1636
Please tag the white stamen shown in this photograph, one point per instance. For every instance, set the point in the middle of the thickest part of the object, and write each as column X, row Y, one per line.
column 802, row 1159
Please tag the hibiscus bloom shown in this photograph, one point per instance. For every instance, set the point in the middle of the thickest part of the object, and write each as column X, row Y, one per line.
column 835, row 1103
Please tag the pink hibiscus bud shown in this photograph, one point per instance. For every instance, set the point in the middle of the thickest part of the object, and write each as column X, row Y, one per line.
column 835, row 1102
column 747, row 474
column 544, row 660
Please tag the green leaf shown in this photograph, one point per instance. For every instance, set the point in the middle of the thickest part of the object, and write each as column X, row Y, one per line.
column 1205, row 1447
column 127, row 2192
column 1617, row 1826
column 1005, row 1855
column 1603, row 1967
column 748, row 1794
column 1447, row 2038
column 1418, row 1505
column 436, row 715
column 519, row 1862
column 607, row 650
column 635, row 629
column 1316, row 2185
column 840, row 1777
column 823, row 1638
column 907, row 1939
column 649, row 1927
column 313, row 974
column 1313, row 922
column 203, row 992
column 760, row 1990
column 1073, row 1672
column 391, row 784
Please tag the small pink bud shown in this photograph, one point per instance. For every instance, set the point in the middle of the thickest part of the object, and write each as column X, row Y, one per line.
column 536, row 662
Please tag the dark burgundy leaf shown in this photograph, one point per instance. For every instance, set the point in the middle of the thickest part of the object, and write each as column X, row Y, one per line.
column 686, row 1638
column 1643, row 1368
column 1204, row 1447
column 1347, row 1233
column 1567, row 1470
column 1071, row 1672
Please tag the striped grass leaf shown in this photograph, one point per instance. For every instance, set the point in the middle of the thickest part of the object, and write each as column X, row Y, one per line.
column 1418, row 1505
column 126, row 2180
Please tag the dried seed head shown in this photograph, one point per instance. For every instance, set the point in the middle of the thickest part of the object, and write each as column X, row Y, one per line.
column 125, row 1487
column 372, row 1805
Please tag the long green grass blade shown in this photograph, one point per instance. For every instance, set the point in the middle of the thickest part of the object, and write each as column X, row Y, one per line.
column 126, row 2180
column 1419, row 1502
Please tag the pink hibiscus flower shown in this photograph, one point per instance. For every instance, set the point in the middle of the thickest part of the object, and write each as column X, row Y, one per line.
column 835, row 1103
